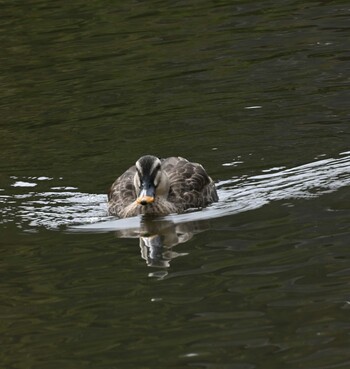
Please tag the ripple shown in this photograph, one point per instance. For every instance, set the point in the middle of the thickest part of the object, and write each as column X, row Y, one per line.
column 62, row 205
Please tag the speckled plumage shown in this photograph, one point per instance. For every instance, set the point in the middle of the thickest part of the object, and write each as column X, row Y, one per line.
column 189, row 186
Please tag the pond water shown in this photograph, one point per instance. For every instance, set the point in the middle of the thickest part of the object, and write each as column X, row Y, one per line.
column 258, row 92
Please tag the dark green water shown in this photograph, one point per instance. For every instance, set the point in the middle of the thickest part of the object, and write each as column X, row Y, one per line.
column 258, row 92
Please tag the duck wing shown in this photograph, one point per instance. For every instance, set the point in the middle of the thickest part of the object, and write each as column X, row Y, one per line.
column 190, row 185
column 122, row 193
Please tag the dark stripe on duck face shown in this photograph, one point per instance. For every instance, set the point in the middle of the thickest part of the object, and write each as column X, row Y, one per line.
column 147, row 168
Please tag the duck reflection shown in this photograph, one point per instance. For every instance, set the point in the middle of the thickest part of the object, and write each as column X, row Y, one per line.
column 158, row 237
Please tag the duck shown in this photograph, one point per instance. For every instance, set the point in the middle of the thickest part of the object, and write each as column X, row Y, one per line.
column 159, row 187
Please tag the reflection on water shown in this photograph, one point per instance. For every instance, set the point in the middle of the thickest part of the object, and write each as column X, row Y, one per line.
column 64, row 206
column 157, row 237
column 82, row 212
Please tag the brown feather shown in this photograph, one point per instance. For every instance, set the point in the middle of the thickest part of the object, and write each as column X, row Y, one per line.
column 190, row 187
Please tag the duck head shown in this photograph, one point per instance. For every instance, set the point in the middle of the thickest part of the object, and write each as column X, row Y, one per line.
column 150, row 180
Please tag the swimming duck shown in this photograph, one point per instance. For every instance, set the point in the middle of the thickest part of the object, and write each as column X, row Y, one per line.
column 161, row 186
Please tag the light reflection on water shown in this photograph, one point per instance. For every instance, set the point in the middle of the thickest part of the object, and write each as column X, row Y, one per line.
column 63, row 206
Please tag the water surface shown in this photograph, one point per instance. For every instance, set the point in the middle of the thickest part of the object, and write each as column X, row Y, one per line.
column 256, row 92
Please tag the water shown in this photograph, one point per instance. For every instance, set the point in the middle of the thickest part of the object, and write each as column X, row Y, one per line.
column 256, row 92
column 64, row 206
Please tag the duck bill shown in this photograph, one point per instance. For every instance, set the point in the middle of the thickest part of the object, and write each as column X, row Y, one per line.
column 146, row 195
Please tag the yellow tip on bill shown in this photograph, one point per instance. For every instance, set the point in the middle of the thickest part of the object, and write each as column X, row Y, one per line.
column 143, row 200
